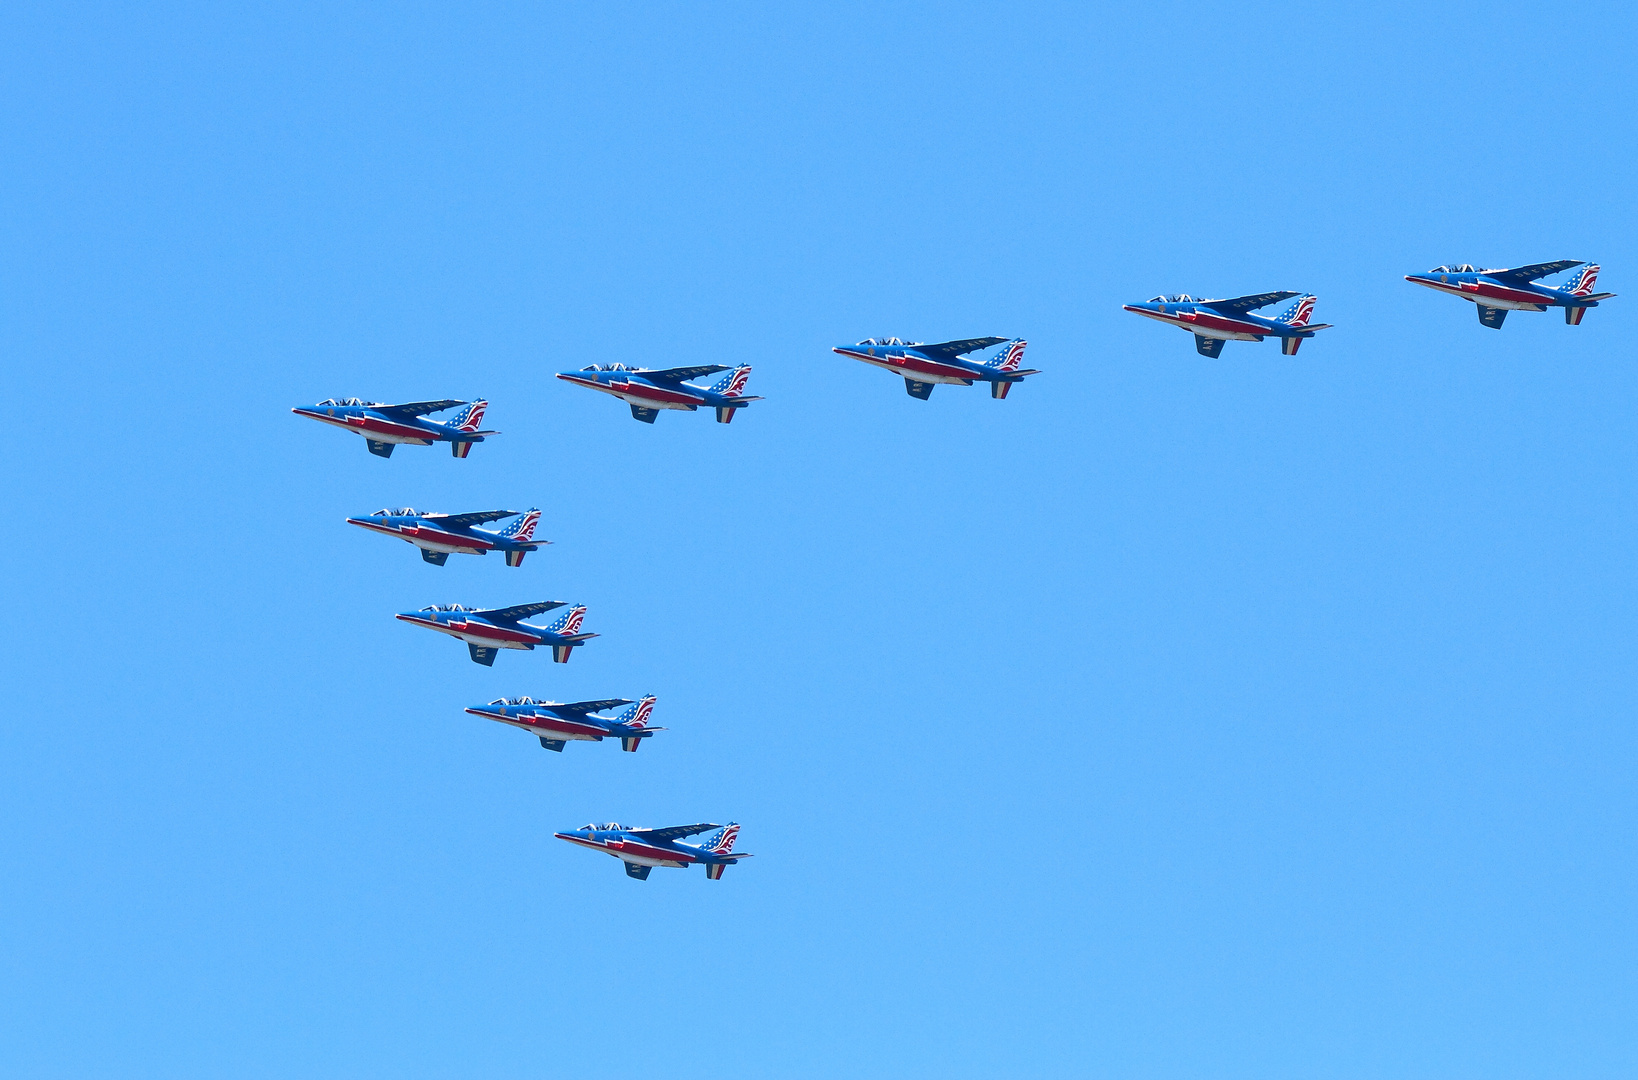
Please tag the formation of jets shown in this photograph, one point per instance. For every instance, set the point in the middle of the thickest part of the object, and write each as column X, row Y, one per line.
column 648, row 391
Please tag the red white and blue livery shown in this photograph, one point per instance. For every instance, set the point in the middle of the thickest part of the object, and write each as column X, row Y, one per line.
column 1213, row 322
column 559, row 723
column 648, row 390
column 644, row 849
column 486, row 631
column 439, row 536
column 924, row 366
column 1496, row 292
column 387, row 426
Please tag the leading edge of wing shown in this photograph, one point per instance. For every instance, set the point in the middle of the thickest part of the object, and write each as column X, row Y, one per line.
column 1533, row 271
column 519, row 611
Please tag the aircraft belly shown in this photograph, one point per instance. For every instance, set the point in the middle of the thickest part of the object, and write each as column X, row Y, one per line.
column 561, row 729
column 657, row 403
column 1224, row 335
column 496, row 641
column 643, row 855
column 452, row 546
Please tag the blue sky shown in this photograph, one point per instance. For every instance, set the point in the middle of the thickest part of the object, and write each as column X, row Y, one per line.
column 1173, row 718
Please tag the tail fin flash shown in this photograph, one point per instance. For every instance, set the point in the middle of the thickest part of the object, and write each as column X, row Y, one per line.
column 1582, row 284
column 524, row 527
column 570, row 623
column 1011, row 356
column 637, row 716
column 723, row 842
column 733, row 383
column 471, row 416
column 1299, row 313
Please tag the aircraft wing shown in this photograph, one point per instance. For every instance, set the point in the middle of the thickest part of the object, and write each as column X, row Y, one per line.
column 680, row 374
column 581, row 708
column 944, row 350
column 1242, row 304
column 518, row 611
column 675, row 832
column 461, row 521
column 418, row 408
column 1521, row 274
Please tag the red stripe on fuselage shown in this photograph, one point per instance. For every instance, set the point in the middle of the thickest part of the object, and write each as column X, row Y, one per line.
column 387, row 427
column 916, row 365
column 488, row 631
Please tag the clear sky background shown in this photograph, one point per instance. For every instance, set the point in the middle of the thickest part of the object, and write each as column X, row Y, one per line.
column 1260, row 717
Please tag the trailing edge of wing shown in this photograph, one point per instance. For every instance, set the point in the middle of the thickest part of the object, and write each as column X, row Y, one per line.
column 1533, row 271
column 478, row 518
column 582, row 707
column 418, row 408
column 1242, row 304
column 947, row 349
column 675, row 832
column 519, row 611
column 680, row 374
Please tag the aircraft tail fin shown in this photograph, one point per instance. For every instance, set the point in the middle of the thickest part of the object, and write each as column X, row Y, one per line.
column 1298, row 313
column 733, row 383
column 523, row 528
column 1582, row 283
column 637, row 716
column 722, row 841
column 569, row 624
column 470, row 417
column 1010, row 357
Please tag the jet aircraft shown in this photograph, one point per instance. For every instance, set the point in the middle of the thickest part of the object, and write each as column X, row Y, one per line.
column 925, row 366
column 1496, row 292
column 486, row 631
column 648, row 390
column 1213, row 322
column 385, row 426
column 558, row 724
column 440, row 535
column 644, row 849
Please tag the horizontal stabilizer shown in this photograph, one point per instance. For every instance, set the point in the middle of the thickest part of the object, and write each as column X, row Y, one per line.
column 1209, row 346
column 553, row 744
column 1492, row 316
column 1595, row 297
column 482, row 654
column 380, row 449
column 923, row 390
column 638, row 872
column 436, row 558
column 645, row 415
